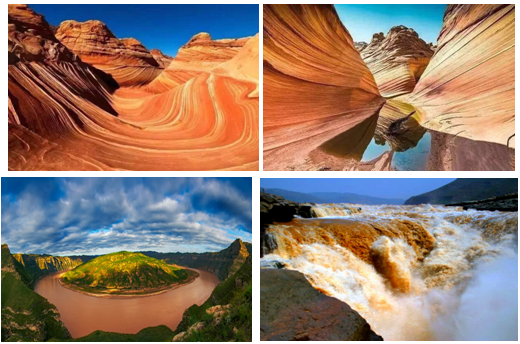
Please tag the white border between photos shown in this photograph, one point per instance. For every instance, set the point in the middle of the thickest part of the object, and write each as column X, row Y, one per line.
column 256, row 175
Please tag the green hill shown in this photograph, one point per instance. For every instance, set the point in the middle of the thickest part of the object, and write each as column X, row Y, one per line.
column 124, row 273
column 233, row 298
column 26, row 316
column 467, row 189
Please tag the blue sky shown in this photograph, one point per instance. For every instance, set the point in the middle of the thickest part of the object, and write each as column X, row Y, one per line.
column 362, row 21
column 164, row 27
column 402, row 188
column 66, row 216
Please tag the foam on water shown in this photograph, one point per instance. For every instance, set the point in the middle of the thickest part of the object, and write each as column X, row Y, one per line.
column 413, row 272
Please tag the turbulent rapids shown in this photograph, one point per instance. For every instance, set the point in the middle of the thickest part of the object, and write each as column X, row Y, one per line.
column 413, row 272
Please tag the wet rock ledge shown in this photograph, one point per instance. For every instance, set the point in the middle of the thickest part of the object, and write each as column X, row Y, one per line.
column 291, row 309
column 277, row 209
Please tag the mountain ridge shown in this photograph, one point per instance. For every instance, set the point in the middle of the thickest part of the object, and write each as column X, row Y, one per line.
column 331, row 197
column 467, row 189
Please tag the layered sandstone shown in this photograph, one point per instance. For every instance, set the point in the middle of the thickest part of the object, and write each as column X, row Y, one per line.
column 316, row 86
column 244, row 65
column 64, row 114
column 468, row 88
column 397, row 61
column 96, row 44
column 201, row 54
column 162, row 60
column 126, row 59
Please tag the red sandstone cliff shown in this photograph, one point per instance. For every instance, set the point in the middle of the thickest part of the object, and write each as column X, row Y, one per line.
column 316, row 86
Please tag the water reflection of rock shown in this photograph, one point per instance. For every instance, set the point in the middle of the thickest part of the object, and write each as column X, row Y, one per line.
column 398, row 126
column 379, row 143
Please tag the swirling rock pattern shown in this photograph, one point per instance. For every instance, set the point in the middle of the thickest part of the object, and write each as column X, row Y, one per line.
column 67, row 115
column 316, row 85
column 468, row 88
column 397, row 61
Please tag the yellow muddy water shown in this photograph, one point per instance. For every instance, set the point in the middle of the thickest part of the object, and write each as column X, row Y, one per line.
column 413, row 272
column 83, row 314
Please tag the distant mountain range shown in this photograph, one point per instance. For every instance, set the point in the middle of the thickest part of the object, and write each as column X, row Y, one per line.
column 468, row 189
column 331, row 197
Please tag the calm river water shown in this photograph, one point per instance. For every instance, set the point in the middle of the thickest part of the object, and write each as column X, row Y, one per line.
column 84, row 314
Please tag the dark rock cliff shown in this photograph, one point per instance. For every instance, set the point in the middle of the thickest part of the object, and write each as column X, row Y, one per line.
column 291, row 309
column 277, row 209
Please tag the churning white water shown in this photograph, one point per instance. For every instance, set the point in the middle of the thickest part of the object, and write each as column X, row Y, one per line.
column 413, row 272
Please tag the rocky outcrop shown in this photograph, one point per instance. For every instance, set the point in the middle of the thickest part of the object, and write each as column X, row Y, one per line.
column 223, row 263
column 508, row 202
column 30, row 38
column 316, row 86
column 39, row 266
column 291, row 309
column 96, row 44
column 397, row 61
column 360, row 45
column 162, row 60
column 126, row 59
column 275, row 208
column 26, row 316
column 468, row 88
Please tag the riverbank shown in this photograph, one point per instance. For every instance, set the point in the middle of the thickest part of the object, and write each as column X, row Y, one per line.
column 192, row 276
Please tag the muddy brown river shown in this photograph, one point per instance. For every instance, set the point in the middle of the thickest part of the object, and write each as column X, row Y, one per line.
column 83, row 314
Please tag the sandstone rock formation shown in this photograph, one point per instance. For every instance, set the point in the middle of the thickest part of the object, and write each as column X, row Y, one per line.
column 468, row 88
column 127, row 60
column 360, row 45
column 456, row 153
column 397, row 61
column 65, row 114
column 30, row 38
column 316, row 86
column 291, row 309
column 162, row 60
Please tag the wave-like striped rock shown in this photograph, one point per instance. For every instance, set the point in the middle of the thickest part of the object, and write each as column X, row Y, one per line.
column 315, row 84
column 65, row 116
column 397, row 61
column 244, row 65
column 468, row 88
column 127, row 60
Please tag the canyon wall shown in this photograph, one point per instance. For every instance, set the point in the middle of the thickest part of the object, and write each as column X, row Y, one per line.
column 316, row 86
column 468, row 88
column 223, row 264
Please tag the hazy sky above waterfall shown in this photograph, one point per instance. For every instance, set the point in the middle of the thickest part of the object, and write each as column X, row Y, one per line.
column 401, row 188
column 164, row 27
column 65, row 216
column 362, row 21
